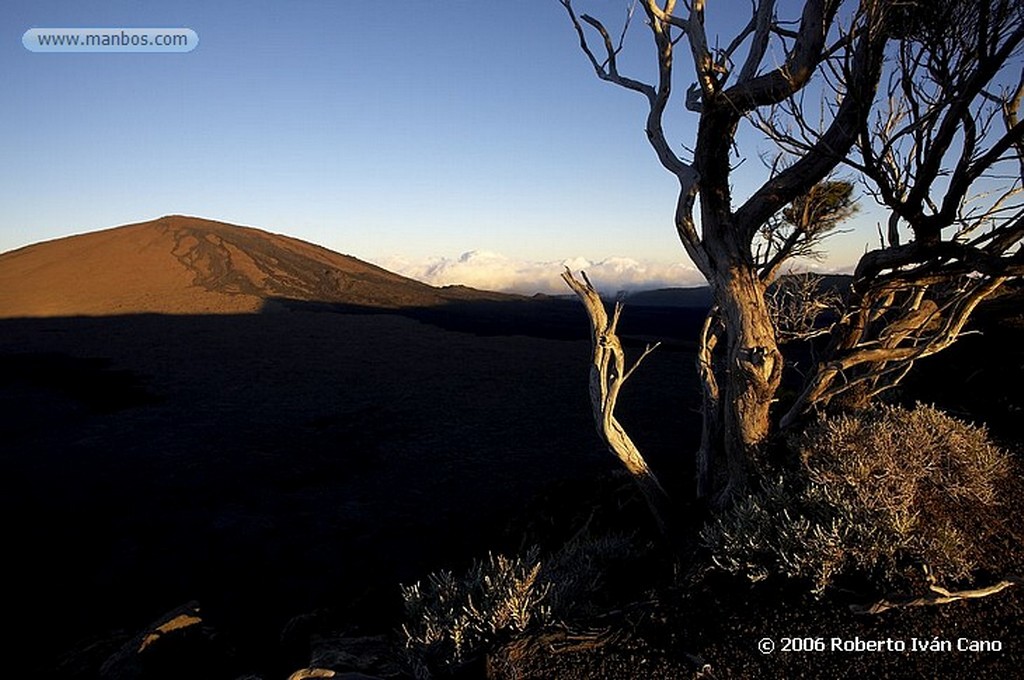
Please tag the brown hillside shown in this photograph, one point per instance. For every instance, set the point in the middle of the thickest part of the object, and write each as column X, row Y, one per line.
column 188, row 265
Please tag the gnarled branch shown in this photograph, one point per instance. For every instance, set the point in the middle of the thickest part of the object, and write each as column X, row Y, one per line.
column 607, row 374
column 939, row 595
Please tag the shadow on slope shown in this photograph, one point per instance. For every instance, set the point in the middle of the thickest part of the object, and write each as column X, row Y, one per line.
column 539, row 317
column 271, row 464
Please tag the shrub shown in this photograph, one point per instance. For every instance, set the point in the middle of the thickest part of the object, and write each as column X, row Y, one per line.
column 583, row 571
column 874, row 491
column 450, row 620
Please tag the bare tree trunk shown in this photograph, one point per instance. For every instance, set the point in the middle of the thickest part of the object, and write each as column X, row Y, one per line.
column 751, row 376
column 710, row 450
column 607, row 374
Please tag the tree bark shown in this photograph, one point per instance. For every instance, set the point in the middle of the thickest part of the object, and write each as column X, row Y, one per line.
column 751, row 375
column 710, row 450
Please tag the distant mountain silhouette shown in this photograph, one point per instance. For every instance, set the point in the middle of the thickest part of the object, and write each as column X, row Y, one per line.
column 699, row 297
column 189, row 265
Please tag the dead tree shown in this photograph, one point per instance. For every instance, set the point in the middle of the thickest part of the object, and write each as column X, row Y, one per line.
column 608, row 373
column 765, row 75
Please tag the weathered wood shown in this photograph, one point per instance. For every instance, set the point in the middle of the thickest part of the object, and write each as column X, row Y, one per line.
column 711, row 402
column 608, row 373
column 939, row 595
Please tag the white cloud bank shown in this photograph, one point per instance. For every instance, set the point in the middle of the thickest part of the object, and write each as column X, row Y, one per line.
column 492, row 271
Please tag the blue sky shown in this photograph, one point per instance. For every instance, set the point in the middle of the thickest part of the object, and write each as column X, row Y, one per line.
column 442, row 138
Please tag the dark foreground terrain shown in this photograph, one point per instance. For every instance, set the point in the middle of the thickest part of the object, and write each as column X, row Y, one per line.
column 270, row 465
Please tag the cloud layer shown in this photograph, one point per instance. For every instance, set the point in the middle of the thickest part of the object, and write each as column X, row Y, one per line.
column 492, row 271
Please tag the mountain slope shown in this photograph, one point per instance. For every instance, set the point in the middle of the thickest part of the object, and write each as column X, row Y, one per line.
column 188, row 265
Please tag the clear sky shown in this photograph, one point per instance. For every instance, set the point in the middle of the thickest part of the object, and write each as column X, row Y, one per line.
column 453, row 140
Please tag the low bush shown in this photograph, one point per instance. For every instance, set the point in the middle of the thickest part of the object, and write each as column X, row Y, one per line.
column 586, row 573
column 450, row 620
column 875, row 492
